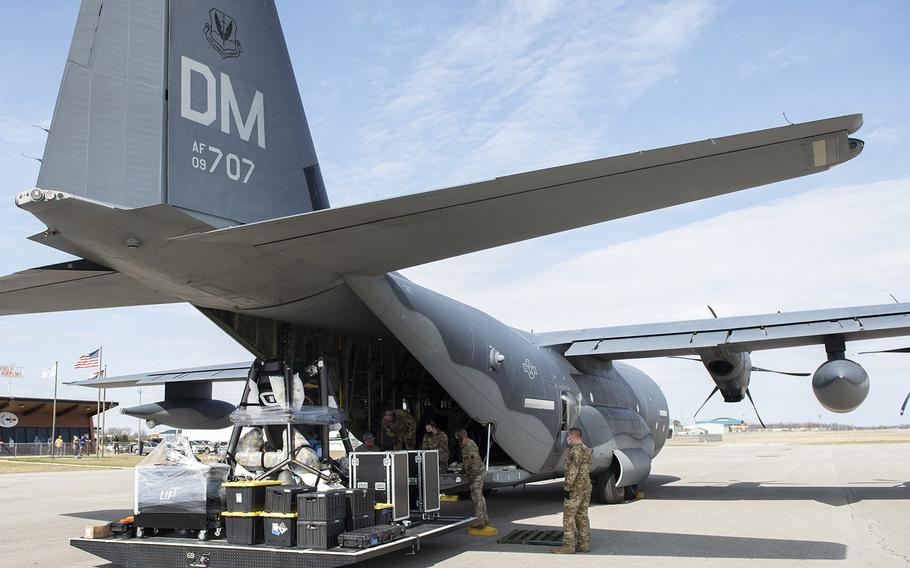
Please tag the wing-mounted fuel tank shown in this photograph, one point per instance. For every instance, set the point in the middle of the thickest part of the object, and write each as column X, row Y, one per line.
column 186, row 405
column 498, row 375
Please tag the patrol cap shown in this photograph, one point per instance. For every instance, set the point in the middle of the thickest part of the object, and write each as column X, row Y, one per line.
column 368, row 437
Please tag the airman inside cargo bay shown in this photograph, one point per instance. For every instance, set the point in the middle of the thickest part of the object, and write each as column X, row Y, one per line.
column 436, row 439
column 400, row 426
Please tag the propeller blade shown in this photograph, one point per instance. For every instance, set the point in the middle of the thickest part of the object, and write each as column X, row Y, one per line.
column 706, row 401
column 904, row 406
column 898, row 350
column 757, row 415
column 762, row 370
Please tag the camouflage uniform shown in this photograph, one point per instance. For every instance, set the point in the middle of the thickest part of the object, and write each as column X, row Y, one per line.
column 578, row 486
column 473, row 467
column 401, row 430
column 438, row 440
column 366, row 448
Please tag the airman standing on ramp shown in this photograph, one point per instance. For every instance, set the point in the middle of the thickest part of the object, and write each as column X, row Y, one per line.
column 577, row 497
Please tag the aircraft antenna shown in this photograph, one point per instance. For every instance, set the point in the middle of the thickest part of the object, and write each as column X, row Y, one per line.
column 787, row 119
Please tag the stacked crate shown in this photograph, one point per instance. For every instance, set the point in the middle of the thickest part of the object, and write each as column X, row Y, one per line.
column 245, row 501
column 278, row 524
column 359, row 508
column 320, row 519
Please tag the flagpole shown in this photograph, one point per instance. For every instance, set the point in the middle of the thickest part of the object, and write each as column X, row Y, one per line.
column 104, row 415
column 98, row 404
column 54, row 417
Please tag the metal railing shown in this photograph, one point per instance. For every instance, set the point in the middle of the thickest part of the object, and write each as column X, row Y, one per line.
column 21, row 449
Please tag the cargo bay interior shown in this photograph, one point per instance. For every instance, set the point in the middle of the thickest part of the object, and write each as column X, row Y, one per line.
column 368, row 374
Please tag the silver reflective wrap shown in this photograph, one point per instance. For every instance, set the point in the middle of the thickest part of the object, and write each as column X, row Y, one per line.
column 171, row 480
column 251, row 456
column 266, row 415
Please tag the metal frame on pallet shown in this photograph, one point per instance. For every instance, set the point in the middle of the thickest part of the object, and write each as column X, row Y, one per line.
column 185, row 553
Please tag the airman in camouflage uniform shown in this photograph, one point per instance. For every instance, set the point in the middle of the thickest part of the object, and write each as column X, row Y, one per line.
column 577, row 497
column 437, row 440
column 473, row 467
column 368, row 445
column 399, row 425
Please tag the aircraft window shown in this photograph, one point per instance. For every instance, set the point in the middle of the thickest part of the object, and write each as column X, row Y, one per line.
column 570, row 403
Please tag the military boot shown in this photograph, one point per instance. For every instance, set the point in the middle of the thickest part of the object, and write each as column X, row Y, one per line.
column 583, row 547
column 564, row 549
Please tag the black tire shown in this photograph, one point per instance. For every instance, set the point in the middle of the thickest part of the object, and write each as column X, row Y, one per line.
column 605, row 490
column 630, row 492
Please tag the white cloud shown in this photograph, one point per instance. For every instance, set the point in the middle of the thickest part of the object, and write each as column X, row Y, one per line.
column 824, row 248
column 514, row 86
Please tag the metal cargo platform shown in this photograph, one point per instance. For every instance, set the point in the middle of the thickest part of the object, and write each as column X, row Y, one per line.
column 160, row 552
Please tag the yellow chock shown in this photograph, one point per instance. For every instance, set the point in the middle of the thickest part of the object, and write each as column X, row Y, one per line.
column 448, row 498
column 639, row 494
column 486, row 530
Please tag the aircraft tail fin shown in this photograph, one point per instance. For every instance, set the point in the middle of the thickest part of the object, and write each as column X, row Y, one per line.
column 185, row 103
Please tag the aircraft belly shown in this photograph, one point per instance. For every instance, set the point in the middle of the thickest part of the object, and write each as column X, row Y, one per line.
column 443, row 336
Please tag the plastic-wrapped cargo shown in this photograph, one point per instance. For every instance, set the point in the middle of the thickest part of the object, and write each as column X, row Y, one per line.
column 172, row 481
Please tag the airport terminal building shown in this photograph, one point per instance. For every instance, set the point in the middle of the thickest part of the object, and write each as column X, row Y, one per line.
column 26, row 420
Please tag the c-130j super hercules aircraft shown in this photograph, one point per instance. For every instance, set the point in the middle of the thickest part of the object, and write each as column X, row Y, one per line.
column 180, row 168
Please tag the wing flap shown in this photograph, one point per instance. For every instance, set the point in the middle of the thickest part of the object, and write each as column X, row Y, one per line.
column 74, row 285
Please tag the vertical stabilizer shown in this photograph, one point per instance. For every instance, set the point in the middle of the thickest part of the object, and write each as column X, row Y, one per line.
column 239, row 147
column 187, row 103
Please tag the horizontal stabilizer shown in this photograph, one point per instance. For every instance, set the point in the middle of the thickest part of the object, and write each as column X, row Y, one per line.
column 74, row 285
column 223, row 372
column 382, row 236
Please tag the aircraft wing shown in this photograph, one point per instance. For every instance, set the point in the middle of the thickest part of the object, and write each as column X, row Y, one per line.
column 223, row 372
column 74, row 285
column 392, row 234
column 738, row 334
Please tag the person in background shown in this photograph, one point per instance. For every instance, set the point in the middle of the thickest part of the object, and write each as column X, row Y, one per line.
column 75, row 446
column 368, row 445
column 58, row 446
column 577, row 497
column 400, row 426
column 436, row 439
column 474, row 468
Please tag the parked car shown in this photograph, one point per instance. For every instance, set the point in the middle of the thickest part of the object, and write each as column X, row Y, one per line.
column 147, row 448
column 201, row 446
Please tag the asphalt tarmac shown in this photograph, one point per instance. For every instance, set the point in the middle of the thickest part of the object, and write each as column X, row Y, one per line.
column 725, row 505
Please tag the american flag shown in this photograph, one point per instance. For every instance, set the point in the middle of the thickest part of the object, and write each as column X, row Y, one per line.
column 89, row 361
column 96, row 374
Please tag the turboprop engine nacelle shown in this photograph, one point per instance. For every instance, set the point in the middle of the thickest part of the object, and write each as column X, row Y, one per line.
column 731, row 372
column 840, row 385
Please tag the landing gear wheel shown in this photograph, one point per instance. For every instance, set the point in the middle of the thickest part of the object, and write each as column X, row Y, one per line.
column 630, row 492
column 203, row 535
column 605, row 490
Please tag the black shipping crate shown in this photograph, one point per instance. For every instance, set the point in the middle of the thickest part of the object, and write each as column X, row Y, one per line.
column 283, row 498
column 321, row 506
column 359, row 501
column 370, row 536
column 246, row 496
column 423, row 479
column 382, row 516
column 358, row 521
column 279, row 529
column 387, row 474
column 243, row 528
column 319, row 534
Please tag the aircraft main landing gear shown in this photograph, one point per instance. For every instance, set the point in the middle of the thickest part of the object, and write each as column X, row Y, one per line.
column 604, row 488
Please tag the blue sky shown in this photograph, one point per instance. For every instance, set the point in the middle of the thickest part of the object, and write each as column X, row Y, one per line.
column 411, row 96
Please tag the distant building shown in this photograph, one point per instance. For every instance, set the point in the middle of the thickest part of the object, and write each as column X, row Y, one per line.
column 720, row 425
column 33, row 418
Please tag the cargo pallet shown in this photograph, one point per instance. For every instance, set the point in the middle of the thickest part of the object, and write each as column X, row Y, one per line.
column 163, row 552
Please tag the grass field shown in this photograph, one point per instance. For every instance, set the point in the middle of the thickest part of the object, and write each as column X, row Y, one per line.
column 38, row 464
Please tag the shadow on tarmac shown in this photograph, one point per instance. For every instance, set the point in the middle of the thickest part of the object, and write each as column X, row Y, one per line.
column 659, row 487
column 104, row 515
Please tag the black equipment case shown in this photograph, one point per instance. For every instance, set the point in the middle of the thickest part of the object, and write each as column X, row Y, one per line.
column 370, row 536
column 386, row 473
column 423, row 480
